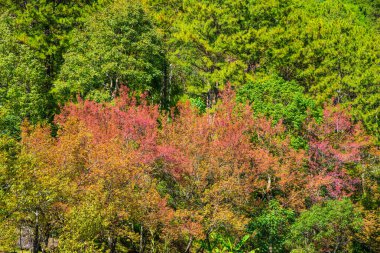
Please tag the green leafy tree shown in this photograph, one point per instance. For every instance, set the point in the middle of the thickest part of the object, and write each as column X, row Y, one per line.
column 44, row 26
column 22, row 82
column 37, row 188
column 34, row 36
column 117, row 46
column 327, row 227
column 271, row 227
column 29, row 191
column 280, row 100
column 9, row 150
column 224, row 244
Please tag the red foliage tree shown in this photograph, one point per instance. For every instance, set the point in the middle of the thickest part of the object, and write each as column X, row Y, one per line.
column 336, row 146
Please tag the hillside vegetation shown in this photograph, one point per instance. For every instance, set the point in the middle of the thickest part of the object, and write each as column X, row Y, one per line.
column 190, row 126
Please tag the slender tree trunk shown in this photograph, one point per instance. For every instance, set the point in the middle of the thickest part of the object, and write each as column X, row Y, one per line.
column 152, row 242
column 35, row 238
column 170, row 81
column 164, row 88
column 112, row 244
column 268, row 190
column 337, row 244
column 21, row 238
column 45, row 238
column 141, row 239
column 364, row 185
column 189, row 245
column 212, row 96
column 208, row 242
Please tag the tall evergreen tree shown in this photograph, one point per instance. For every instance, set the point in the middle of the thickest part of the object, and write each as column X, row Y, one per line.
column 117, row 46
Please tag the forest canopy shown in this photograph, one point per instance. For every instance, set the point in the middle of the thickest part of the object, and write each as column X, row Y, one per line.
column 189, row 126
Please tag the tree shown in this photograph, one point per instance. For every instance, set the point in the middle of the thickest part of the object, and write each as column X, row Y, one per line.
column 117, row 46
column 190, row 187
column 105, row 152
column 45, row 27
column 9, row 150
column 279, row 100
column 208, row 43
column 271, row 227
column 330, row 48
column 328, row 227
column 22, row 91
column 37, row 189
column 224, row 163
column 336, row 147
column 35, row 35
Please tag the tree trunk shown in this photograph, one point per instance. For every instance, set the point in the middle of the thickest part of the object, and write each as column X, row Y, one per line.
column 189, row 245
column 36, row 244
column 141, row 239
column 21, row 248
column 212, row 96
column 164, row 87
column 112, row 244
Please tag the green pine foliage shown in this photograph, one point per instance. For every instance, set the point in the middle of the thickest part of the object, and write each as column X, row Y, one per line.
column 331, row 49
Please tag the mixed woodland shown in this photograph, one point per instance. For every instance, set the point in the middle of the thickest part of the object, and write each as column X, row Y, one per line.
column 194, row 126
